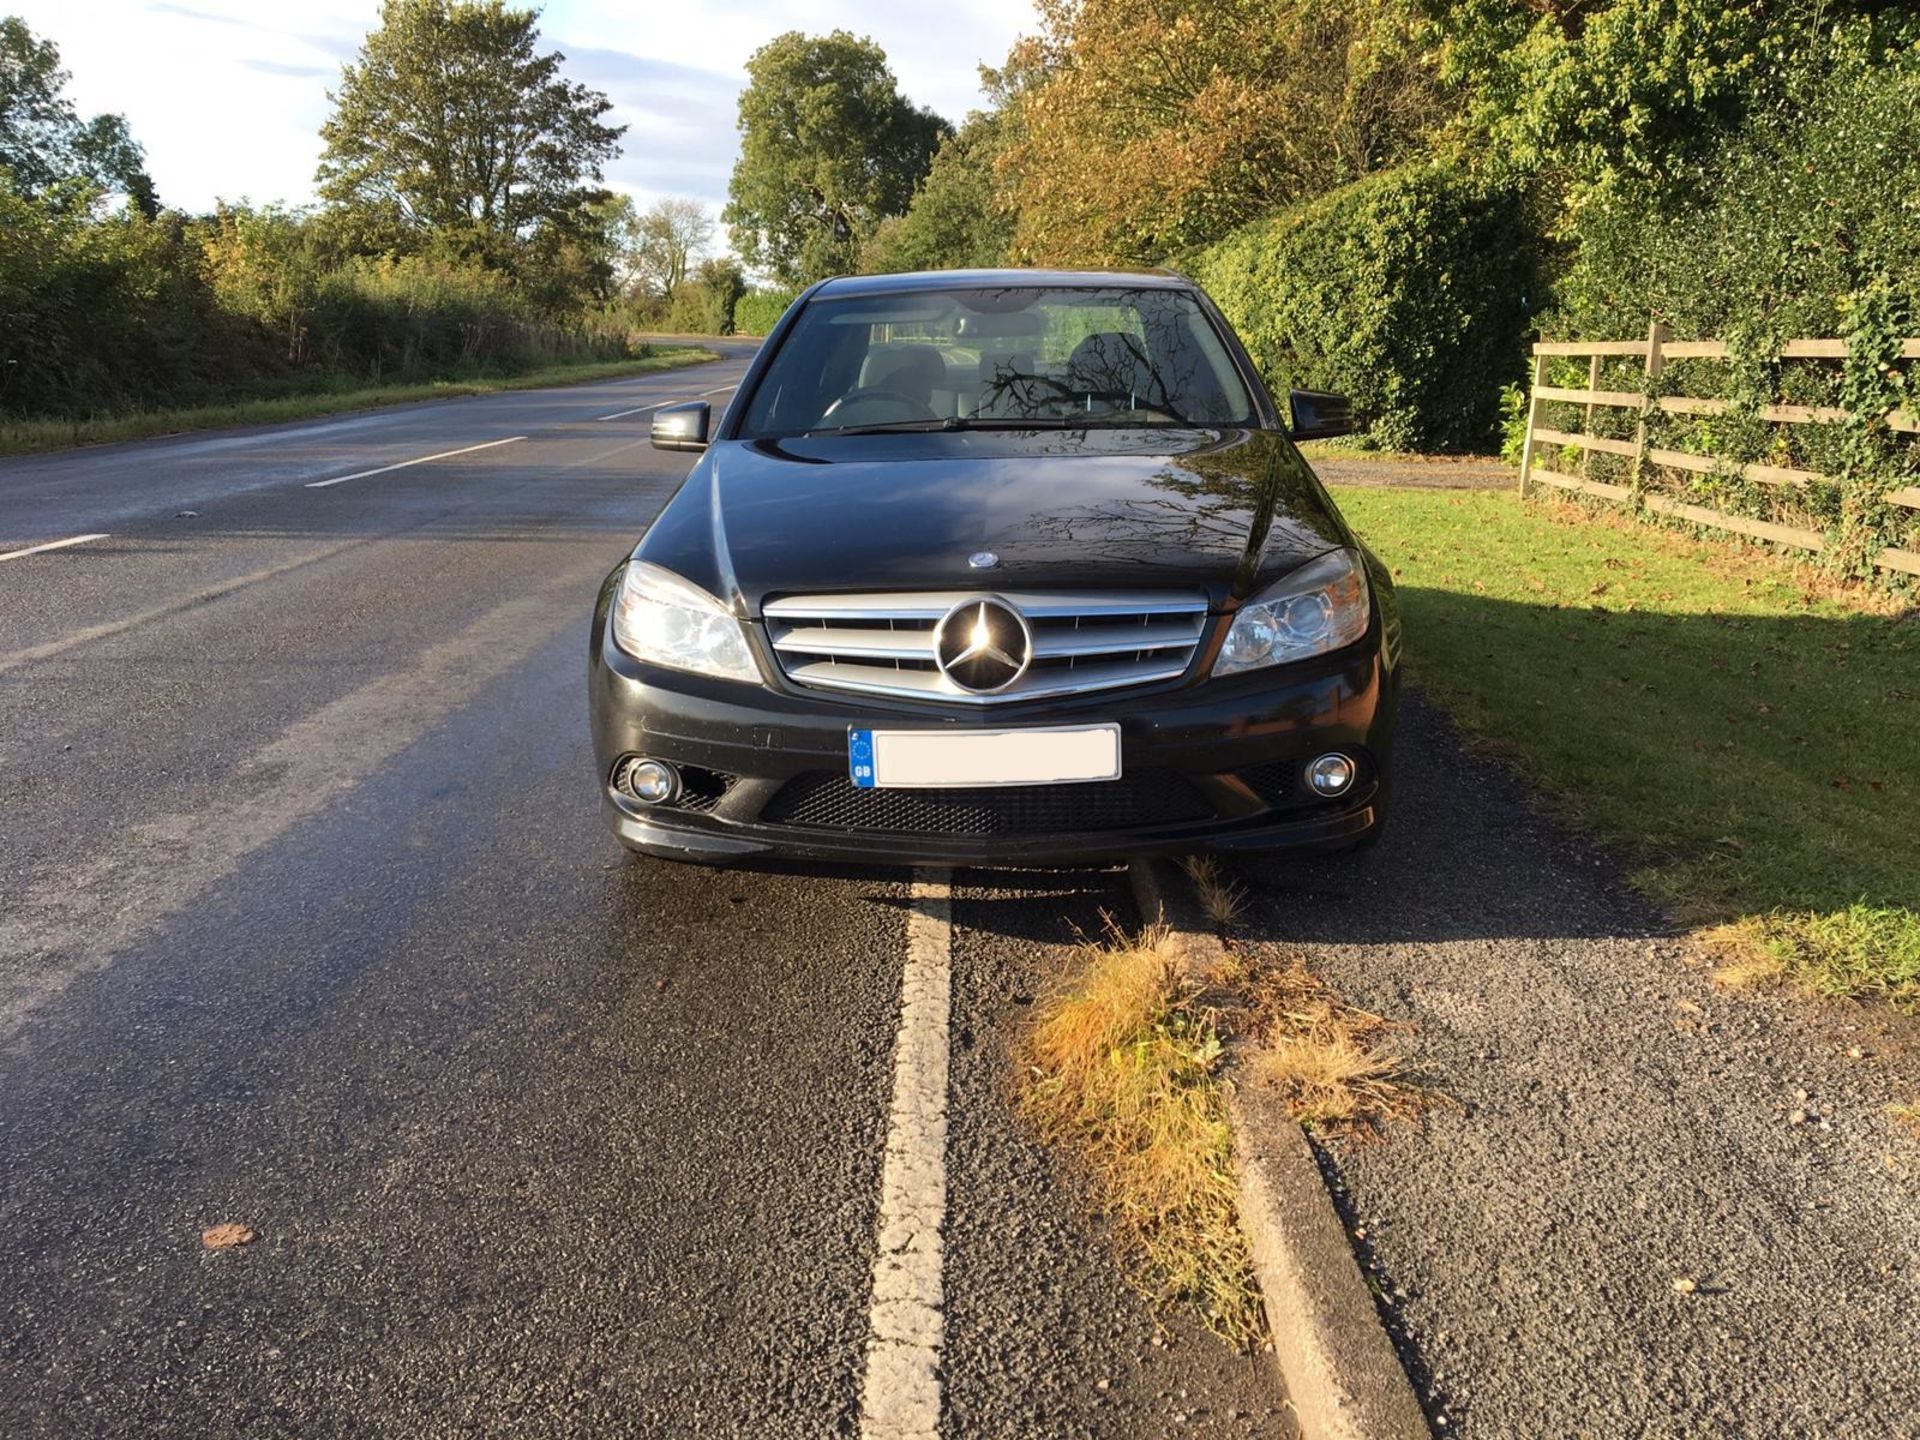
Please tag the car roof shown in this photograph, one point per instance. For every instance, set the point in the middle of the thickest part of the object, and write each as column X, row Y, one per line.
column 851, row 285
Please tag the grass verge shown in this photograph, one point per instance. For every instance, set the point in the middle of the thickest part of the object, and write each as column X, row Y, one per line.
column 28, row 437
column 1858, row 951
column 1358, row 447
column 1124, row 1067
column 1743, row 729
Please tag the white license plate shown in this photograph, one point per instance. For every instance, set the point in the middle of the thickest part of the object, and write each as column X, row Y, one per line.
column 1058, row 755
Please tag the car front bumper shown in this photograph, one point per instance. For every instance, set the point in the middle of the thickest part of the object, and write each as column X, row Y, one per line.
column 1215, row 765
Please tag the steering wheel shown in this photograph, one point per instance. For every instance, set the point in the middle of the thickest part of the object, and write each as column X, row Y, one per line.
column 846, row 410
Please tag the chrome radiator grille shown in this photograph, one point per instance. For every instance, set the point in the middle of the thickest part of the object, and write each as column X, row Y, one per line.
column 884, row 644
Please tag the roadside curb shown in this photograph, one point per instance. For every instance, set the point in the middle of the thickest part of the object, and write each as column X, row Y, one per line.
column 1340, row 1370
column 1163, row 897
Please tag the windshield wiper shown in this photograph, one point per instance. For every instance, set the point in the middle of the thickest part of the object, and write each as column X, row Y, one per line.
column 886, row 427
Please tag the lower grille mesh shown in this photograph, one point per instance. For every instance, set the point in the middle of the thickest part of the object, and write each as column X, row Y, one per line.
column 1273, row 783
column 831, row 802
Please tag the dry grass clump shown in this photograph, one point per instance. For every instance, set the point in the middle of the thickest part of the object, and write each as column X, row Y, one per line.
column 1124, row 1064
column 1743, row 960
column 1334, row 1064
column 1907, row 1117
column 1220, row 897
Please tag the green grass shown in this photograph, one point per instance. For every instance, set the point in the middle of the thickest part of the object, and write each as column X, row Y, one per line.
column 1359, row 447
column 27, row 437
column 1745, row 733
column 1856, row 951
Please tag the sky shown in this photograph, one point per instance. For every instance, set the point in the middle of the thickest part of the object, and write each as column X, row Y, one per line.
column 227, row 96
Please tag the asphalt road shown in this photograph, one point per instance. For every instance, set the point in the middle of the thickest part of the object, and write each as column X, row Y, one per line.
column 308, row 923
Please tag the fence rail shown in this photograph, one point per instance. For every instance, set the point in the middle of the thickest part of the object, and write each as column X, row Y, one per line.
column 1655, row 351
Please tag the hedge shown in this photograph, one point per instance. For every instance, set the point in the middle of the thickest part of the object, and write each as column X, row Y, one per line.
column 118, row 312
column 758, row 311
column 1806, row 224
column 1410, row 291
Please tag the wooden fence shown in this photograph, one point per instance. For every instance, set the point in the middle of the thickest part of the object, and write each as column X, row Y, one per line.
column 1655, row 351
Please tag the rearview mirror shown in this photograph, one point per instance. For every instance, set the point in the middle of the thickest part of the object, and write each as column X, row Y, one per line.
column 682, row 427
column 1320, row 414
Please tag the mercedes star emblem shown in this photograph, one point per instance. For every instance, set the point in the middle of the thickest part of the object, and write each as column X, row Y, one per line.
column 983, row 645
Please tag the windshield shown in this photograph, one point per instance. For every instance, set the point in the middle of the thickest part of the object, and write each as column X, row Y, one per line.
column 1013, row 358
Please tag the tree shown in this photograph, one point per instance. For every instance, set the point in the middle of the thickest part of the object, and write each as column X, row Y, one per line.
column 828, row 149
column 665, row 242
column 43, row 140
column 703, row 304
column 451, row 120
column 1151, row 126
column 958, row 219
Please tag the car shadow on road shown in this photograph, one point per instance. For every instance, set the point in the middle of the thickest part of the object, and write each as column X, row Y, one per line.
column 1468, row 853
column 1776, row 755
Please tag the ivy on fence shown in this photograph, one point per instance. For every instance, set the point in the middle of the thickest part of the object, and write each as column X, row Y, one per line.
column 1806, row 443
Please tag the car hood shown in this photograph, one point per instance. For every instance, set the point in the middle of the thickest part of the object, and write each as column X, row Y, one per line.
column 1222, row 511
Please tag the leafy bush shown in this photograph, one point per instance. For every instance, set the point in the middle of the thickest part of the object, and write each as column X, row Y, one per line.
column 704, row 303
column 1513, row 423
column 758, row 311
column 106, row 311
column 1409, row 291
column 1144, row 127
column 109, row 312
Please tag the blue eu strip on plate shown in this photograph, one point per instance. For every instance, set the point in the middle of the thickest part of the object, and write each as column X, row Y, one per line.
column 860, row 758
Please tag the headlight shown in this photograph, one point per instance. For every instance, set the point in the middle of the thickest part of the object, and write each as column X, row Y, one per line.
column 664, row 620
column 1319, row 607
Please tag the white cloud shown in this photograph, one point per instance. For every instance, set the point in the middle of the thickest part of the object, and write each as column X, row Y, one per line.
column 228, row 96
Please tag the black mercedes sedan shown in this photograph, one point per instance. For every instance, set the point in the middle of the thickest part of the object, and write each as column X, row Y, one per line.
column 998, row 567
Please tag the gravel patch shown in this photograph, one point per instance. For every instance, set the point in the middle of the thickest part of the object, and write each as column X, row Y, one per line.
column 1653, row 1207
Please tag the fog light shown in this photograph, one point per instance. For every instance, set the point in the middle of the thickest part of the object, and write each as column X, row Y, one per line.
column 653, row 782
column 1330, row 775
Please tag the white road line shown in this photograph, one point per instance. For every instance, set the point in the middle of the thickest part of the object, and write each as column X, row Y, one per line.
column 14, row 659
column 51, row 545
column 636, row 410
column 443, row 455
column 661, row 404
column 900, row 1392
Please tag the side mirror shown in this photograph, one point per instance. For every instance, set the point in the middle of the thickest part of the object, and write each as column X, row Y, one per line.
column 682, row 427
column 1319, row 414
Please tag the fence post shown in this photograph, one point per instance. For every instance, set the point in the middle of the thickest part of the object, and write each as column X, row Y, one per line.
column 1534, row 402
column 1593, row 383
column 1657, row 336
